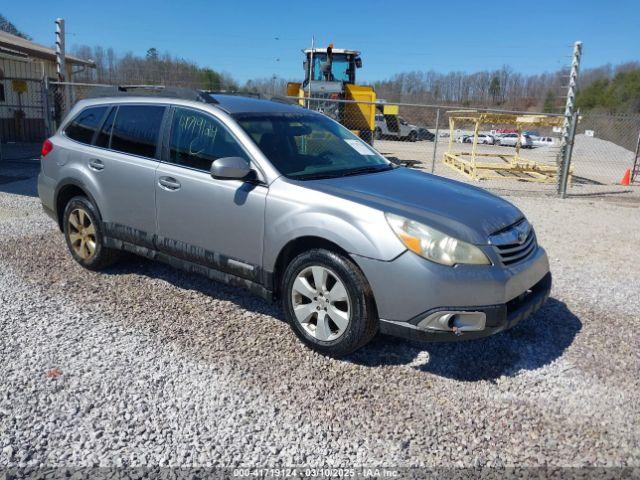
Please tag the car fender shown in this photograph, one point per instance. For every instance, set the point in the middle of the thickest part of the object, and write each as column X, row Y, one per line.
column 294, row 212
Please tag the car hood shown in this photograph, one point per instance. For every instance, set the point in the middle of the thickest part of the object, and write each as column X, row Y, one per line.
column 457, row 209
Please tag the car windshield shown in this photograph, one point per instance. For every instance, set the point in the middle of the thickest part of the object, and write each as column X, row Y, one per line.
column 308, row 146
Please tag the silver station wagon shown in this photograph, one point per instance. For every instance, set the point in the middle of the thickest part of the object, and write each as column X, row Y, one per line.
column 289, row 204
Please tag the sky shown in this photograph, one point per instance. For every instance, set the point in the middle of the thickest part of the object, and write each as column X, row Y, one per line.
column 260, row 38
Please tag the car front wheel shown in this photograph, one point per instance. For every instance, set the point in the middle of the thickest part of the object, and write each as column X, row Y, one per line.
column 328, row 302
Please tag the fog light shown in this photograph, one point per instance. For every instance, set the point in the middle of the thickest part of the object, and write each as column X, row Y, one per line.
column 449, row 321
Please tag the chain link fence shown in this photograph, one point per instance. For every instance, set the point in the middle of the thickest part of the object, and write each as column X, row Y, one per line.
column 22, row 111
column 419, row 135
column 415, row 135
column 604, row 147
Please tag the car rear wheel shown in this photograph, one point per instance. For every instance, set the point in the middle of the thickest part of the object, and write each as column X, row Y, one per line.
column 413, row 136
column 84, row 235
column 328, row 302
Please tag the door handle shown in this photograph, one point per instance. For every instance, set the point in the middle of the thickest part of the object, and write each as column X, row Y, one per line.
column 96, row 165
column 169, row 183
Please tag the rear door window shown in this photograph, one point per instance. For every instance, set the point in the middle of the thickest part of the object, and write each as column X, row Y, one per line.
column 136, row 129
column 84, row 126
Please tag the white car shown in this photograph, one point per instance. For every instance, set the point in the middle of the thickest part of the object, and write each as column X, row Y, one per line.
column 483, row 139
column 396, row 127
column 510, row 140
column 543, row 142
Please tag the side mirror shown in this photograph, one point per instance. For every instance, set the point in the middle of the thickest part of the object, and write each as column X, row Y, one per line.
column 358, row 62
column 230, row 168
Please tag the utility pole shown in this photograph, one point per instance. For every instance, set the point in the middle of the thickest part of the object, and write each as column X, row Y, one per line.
column 568, row 130
column 60, row 51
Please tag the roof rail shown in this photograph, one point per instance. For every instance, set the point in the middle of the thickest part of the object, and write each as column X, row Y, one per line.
column 233, row 92
column 152, row 91
column 284, row 99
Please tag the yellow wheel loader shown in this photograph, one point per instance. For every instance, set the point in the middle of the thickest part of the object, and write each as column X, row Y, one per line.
column 330, row 87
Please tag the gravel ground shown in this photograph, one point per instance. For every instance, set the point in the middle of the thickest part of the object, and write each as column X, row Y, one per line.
column 145, row 365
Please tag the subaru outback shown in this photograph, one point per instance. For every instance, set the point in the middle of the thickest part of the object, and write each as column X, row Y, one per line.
column 289, row 204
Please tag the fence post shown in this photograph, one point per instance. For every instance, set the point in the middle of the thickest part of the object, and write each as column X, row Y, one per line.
column 636, row 161
column 61, row 68
column 567, row 155
column 435, row 141
column 46, row 110
column 60, row 50
column 568, row 117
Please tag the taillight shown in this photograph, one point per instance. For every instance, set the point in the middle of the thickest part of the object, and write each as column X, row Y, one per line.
column 47, row 146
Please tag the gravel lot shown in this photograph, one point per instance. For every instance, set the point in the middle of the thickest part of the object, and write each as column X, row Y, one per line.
column 144, row 365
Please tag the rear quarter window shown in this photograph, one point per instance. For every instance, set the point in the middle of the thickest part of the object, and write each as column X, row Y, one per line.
column 84, row 125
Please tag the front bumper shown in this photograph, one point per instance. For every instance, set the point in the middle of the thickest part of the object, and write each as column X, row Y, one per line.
column 498, row 317
column 409, row 289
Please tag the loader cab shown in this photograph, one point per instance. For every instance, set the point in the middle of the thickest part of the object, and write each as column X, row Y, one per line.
column 330, row 75
column 331, row 65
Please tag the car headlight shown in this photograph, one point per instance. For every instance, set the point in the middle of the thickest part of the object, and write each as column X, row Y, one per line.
column 434, row 245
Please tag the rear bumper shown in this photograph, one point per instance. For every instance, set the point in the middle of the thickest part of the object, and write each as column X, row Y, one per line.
column 46, row 192
column 50, row 213
column 498, row 317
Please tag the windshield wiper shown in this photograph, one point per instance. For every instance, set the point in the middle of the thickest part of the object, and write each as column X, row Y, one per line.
column 316, row 176
column 344, row 173
column 368, row 169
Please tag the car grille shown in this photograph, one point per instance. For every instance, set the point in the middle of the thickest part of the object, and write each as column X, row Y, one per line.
column 515, row 243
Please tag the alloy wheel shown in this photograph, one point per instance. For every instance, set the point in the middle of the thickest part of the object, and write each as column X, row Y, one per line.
column 321, row 303
column 82, row 234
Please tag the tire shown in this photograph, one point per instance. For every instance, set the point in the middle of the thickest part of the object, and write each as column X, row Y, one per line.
column 82, row 228
column 377, row 134
column 334, row 339
column 413, row 136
